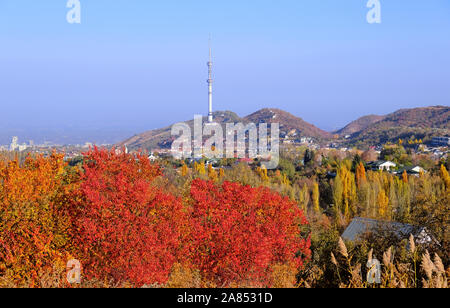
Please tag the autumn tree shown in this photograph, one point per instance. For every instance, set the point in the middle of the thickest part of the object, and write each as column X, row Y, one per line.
column 34, row 223
column 383, row 203
column 405, row 177
column 316, row 197
column 360, row 174
column 262, row 172
column 127, row 230
column 445, row 176
column 432, row 207
column 212, row 174
column 344, row 191
column 240, row 233
column 369, row 155
column 184, row 170
column 304, row 197
column 200, row 168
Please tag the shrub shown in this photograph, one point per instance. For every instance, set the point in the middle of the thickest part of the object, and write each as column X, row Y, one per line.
column 126, row 228
column 34, row 225
column 238, row 233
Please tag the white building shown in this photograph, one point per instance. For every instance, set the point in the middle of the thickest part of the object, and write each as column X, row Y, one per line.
column 382, row 165
column 152, row 157
column 441, row 141
column 418, row 169
column 387, row 165
column 15, row 146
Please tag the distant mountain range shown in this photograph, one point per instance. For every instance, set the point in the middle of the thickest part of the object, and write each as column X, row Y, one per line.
column 416, row 123
column 421, row 123
column 360, row 124
column 288, row 123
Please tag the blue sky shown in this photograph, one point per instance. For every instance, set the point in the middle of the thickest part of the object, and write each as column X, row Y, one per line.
column 140, row 64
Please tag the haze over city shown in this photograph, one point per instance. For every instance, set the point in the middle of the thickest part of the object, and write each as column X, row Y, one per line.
column 132, row 66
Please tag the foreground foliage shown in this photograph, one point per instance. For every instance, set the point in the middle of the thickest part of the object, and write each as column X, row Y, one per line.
column 133, row 223
column 113, row 214
column 240, row 233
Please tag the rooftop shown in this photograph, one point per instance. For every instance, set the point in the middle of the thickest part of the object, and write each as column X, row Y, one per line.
column 360, row 226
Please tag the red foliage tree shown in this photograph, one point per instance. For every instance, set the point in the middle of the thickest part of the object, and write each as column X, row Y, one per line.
column 238, row 233
column 126, row 228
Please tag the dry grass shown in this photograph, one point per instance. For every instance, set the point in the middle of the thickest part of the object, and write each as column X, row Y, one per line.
column 394, row 274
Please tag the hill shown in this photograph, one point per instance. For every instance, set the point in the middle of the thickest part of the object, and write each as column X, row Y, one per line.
column 162, row 138
column 360, row 124
column 416, row 123
column 289, row 124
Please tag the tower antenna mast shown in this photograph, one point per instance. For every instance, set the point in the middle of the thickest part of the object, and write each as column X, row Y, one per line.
column 210, row 82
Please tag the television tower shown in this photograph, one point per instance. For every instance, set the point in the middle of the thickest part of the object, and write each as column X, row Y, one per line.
column 210, row 81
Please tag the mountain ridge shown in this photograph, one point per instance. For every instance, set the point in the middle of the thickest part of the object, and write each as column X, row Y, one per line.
column 421, row 122
column 289, row 124
column 359, row 124
column 413, row 123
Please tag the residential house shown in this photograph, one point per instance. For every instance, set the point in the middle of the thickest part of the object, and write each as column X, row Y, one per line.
column 440, row 141
column 411, row 171
column 381, row 165
column 362, row 226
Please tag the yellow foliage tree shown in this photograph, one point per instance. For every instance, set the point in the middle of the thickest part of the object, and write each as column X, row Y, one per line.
column 316, row 197
column 212, row 174
column 184, row 170
column 344, row 192
column 445, row 176
column 383, row 203
column 262, row 172
column 200, row 168
column 303, row 198
column 285, row 180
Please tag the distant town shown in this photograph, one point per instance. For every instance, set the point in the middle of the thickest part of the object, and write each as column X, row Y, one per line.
column 438, row 150
column 70, row 151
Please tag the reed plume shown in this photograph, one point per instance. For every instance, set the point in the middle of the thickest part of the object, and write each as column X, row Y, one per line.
column 342, row 248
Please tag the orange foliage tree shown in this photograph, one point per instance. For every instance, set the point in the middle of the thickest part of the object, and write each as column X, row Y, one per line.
column 34, row 222
column 360, row 174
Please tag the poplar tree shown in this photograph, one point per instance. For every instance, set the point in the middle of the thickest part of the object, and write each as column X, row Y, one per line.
column 315, row 197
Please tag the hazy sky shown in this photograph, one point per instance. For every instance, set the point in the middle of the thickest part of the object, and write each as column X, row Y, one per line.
column 141, row 64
